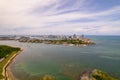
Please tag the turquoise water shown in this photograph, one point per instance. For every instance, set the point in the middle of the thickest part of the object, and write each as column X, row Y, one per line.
column 65, row 62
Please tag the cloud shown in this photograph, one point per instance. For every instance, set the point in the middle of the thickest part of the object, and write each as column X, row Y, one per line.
column 57, row 16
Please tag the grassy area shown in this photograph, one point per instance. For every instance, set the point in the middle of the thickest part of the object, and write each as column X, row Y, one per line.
column 8, row 53
column 6, row 50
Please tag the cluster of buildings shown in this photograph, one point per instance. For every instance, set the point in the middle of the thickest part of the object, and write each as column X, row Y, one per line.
column 54, row 37
column 78, row 38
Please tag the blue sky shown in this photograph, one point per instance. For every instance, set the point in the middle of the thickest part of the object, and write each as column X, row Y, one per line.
column 90, row 17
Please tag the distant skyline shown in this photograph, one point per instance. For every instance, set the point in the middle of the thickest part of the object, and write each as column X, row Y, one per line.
column 38, row 17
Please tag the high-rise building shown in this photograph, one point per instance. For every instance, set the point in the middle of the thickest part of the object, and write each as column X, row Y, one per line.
column 82, row 36
column 74, row 36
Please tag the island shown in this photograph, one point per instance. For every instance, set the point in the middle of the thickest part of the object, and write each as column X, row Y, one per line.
column 73, row 40
column 7, row 54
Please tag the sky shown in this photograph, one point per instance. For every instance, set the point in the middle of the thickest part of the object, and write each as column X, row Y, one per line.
column 39, row 17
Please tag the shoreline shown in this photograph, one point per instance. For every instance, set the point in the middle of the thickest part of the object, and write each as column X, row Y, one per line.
column 6, row 72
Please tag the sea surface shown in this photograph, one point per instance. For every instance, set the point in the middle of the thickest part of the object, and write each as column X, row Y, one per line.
column 66, row 62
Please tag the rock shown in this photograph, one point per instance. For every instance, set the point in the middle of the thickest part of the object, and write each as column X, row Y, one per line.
column 95, row 75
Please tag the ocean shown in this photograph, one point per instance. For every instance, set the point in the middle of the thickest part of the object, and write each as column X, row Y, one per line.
column 66, row 62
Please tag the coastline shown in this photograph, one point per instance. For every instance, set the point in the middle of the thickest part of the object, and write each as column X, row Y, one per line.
column 6, row 72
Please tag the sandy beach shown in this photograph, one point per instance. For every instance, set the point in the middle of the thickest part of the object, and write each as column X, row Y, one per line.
column 6, row 71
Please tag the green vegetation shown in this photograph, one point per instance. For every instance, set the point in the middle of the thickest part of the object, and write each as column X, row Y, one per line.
column 75, row 42
column 100, row 75
column 67, row 41
column 6, row 52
